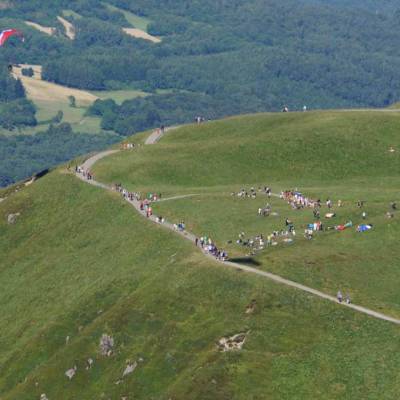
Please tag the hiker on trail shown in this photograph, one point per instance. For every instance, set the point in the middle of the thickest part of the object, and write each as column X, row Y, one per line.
column 360, row 204
column 393, row 206
column 348, row 300
column 339, row 296
column 196, row 242
column 364, row 215
column 304, row 108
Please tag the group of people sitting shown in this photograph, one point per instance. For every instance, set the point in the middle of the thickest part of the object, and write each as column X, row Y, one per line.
column 259, row 242
column 252, row 192
column 297, row 201
column 265, row 211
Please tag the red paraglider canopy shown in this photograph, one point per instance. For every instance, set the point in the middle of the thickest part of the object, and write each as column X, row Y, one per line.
column 5, row 35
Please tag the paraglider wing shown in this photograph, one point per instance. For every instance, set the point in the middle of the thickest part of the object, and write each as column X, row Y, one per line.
column 5, row 35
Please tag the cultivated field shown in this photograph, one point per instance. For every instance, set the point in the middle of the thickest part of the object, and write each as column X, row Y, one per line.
column 46, row 91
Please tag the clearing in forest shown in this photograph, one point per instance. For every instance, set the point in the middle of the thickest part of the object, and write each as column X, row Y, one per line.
column 37, row 89
column 138, row 33
column 37, row 70
column 69, row 28
column 48, row 30
column 139, row 24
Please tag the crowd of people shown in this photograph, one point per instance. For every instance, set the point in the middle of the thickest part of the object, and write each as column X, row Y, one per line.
column 209, row 247
column 86, row 174
column 252, row 192
column 298, row 201
column 126, row 194
column 127, row 146
column 257, row 243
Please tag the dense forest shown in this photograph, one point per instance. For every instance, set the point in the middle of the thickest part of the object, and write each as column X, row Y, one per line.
column 23, row 155
column 216, row 58
column 15, row 109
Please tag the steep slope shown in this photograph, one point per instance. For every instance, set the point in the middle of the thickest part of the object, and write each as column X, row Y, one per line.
column 79, row 263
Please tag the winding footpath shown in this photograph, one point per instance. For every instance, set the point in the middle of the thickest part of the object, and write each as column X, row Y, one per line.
column 153, row 139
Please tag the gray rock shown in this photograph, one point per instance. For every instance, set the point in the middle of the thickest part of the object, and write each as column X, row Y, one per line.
column 12, row 218
column 106, row 345
column 71, row 372
column 129, row 368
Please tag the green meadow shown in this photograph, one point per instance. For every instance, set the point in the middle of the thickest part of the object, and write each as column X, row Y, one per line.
column 80, row 262
column 337, row 155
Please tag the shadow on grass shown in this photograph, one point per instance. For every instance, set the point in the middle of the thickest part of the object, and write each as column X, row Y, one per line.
column 251, row 262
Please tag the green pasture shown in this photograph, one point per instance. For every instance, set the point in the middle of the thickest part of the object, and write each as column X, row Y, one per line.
column 80, row 262
column 299, row 149
column 325, row 155
column 75, row 116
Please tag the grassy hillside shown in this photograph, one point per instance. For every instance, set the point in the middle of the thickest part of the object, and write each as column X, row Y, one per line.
column 79, row 262
column 339, row 155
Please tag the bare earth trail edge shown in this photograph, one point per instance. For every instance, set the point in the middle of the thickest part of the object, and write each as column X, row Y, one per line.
column 153, row 139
